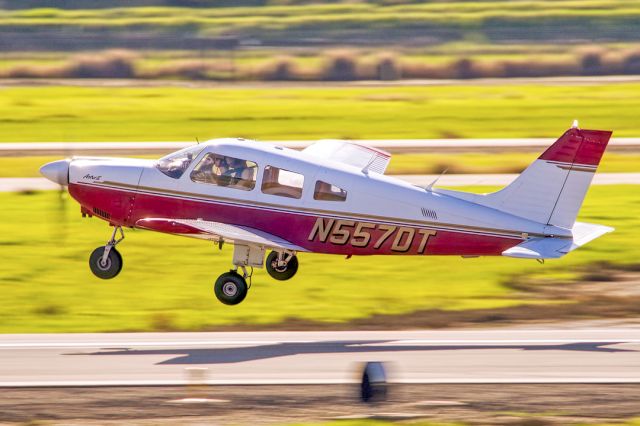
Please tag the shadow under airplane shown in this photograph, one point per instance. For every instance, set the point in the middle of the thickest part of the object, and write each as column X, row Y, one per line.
column 230, row 355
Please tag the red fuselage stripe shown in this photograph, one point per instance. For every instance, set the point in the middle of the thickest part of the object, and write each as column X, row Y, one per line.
column 315, row 232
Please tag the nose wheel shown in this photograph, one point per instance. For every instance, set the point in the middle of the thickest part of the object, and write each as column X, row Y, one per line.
column 106, row 262
column 281, row 266
column 105, row 268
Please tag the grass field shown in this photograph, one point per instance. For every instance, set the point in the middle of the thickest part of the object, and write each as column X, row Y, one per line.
column 430, row 61
column 167, row 281
column 404, row 39
column 400, row 163
column 527, row 418
column 281, row 112
column 455, row 16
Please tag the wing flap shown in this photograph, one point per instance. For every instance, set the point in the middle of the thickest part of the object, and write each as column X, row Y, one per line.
column 216, row 231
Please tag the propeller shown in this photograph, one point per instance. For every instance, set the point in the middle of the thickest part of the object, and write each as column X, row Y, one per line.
column 59, row 216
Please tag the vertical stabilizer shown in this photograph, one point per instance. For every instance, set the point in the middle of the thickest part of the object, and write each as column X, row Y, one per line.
column 551, row 190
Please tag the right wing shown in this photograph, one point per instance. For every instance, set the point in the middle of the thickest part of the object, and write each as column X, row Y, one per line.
column 216, row 231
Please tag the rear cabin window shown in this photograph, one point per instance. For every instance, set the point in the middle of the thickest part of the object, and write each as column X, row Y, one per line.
column 222, row 170
column 281, row 182
column 326, row 192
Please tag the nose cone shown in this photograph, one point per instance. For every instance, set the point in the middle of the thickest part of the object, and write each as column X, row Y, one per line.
column 57, row 171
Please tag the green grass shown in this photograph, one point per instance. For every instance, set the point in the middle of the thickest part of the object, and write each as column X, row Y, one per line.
column 281, row 112
column 167, row 281
column 481, row 51
column 367, row 422
column 400, row 163
column 245, row 60
column 266, row 20
column 630, row 422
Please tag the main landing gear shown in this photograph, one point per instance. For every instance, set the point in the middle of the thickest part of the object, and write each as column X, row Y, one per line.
column 282, row 266
column 106, row 262
column 231, row 287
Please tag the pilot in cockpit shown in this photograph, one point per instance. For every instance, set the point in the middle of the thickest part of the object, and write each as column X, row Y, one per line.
column 238, row 171
column 219, row 166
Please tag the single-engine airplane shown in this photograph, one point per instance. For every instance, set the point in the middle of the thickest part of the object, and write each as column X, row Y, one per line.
column 332, row 197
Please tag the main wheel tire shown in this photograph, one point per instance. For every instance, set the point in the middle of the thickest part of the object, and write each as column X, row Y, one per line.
column 281, row 273
column 230, row 288
column 111, row 267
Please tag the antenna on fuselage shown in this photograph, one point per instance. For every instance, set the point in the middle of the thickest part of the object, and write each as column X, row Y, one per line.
column 430, row 186
column 197, row 140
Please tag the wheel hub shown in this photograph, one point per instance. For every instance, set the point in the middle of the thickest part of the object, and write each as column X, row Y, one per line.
column 279, row 267
column 104, row 265
column 230, row 289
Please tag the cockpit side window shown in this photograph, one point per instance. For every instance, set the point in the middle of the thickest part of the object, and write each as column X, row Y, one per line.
column 326, row 192
column 281, row 182
column 174, row 165
column 228, row 171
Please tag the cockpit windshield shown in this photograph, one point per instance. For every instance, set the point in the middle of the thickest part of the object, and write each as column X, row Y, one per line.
column 174, row 165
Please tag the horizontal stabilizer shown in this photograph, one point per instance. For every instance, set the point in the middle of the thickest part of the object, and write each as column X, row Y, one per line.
column 585, row 232
column 540, row 248
column 553, row 247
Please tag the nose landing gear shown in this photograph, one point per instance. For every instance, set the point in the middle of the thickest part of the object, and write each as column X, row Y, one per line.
column 106, row 262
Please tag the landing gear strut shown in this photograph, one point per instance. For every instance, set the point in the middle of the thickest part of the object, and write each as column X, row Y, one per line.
column 282, row 265
column 106, row 262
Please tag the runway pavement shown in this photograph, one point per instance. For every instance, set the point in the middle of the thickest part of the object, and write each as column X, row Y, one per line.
column 42, row 184
column 507, row 355
column 394, row 146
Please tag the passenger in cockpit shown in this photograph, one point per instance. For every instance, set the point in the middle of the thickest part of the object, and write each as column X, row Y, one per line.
column 241, row 175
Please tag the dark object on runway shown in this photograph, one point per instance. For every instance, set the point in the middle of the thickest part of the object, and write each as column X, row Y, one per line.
column 374, row 383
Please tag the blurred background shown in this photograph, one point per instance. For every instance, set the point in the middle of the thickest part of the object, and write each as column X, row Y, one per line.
column 145, row 70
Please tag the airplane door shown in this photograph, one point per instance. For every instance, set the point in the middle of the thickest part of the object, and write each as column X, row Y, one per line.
column 157, row 196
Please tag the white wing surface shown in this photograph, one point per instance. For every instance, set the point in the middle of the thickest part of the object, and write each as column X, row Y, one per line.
column 216, row 231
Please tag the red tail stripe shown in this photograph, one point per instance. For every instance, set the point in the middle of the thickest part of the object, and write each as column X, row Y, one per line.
column 579, row 147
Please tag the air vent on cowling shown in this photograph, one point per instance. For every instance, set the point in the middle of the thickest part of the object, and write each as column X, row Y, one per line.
column 101, row 213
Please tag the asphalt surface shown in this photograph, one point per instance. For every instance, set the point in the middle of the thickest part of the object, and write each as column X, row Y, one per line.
column 508, row 355
column 42, row 184
column 67, row 149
